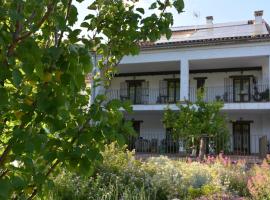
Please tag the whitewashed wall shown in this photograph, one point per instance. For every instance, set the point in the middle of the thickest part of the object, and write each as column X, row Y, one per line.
column 152, row 126
column 215, row 79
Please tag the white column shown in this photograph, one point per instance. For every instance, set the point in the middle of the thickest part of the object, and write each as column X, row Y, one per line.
column 268, row 74
column 184, row 80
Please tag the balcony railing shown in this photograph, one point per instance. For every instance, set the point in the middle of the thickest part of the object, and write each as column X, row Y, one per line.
column 145, row 96
column 258, row 93
column 149, row 96
column 157, row 143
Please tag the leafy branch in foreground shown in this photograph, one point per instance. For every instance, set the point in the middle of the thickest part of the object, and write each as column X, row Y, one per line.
column 45, row 117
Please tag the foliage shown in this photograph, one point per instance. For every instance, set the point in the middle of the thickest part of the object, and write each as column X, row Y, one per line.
column 158, row 178
column 259, row 182
column 45, row 117
column 194, row 120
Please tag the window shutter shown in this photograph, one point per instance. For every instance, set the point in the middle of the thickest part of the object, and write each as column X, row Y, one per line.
column 145, row 92
column 163, row 91
column 123, row 91
column 228, row 90
column 255, row 89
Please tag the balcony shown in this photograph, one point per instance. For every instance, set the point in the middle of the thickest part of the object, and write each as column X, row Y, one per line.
column 155, row 96
column 160, row 143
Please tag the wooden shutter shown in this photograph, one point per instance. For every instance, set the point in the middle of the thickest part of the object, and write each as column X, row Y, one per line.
column 145, row 92
column 163, row 91
column 123, row 91
column 228, row 90
column 255, row 89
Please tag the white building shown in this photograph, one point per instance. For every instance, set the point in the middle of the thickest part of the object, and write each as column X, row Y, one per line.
column 230, row 60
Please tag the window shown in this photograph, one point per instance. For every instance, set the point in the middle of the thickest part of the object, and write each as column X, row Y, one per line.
column 135, row 91
column 200, row 83
column 132, row 138
column 173, row 90
column 241, row 89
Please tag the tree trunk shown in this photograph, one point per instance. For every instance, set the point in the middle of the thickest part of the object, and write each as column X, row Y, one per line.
column 202, row 148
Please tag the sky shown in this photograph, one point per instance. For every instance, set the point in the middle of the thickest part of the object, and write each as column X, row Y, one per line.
column 221, row 10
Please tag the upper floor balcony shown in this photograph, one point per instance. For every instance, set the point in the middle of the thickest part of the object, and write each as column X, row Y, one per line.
column 142, row 95
column 232, row 80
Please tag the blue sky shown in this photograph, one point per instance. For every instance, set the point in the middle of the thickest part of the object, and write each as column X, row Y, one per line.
column 221, row 10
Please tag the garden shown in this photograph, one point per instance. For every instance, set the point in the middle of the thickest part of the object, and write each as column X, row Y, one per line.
column 121, row 176
column 55, row 127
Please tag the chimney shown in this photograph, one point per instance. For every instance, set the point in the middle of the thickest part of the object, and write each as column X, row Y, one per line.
column 258, row 16
column 209, row 20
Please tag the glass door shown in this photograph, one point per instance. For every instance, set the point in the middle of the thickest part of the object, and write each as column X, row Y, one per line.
column 173, row 89
column 132, row 138
column 241, row 89
column 135, row 92
column 241, row 138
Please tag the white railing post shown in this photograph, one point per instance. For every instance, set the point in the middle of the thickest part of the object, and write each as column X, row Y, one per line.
column 184, row 80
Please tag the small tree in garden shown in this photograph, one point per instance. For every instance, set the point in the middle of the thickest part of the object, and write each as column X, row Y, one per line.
column 195, row 121
column 46, row 122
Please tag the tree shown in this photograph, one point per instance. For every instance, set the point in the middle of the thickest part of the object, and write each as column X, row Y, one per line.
column 46, row 121
column 195, row 121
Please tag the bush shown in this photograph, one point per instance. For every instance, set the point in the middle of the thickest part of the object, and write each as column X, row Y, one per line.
column 259, row 182
column 121, row 176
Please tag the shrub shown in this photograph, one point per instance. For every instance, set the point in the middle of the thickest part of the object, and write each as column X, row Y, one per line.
column 259, row 182
column 121, row 176
column 233, row 176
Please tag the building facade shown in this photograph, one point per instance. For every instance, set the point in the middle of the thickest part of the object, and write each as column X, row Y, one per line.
column 230, row 61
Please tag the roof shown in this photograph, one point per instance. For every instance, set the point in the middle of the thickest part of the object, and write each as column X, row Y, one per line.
column 213, row 34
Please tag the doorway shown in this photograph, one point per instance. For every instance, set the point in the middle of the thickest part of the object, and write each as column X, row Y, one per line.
column 241, row 89
column 135, row 91
column 132, row 138
column 241, row 137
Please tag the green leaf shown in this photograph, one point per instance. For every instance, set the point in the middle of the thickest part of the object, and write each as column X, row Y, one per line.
column 85, row 25
column 3, row 97
column 140, row 10
column 17, row 77
column 18, row 183
column 85, row 166
column 73, row 36
column 153, row 5
column 72, row 15
column 179, row 5
column 89, row 16
column 168, row 34
column 5, row 188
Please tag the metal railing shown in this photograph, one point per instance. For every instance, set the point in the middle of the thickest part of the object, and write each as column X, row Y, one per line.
column 145, row 96
column 149, row 96
column 158, row 143
column 258, row 93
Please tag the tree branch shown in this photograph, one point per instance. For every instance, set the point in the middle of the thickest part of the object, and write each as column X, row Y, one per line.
column 16, row 40
column 31, row 17
column 5, row 154
column 4, row 173
column 57, row 162
column 66, row 18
